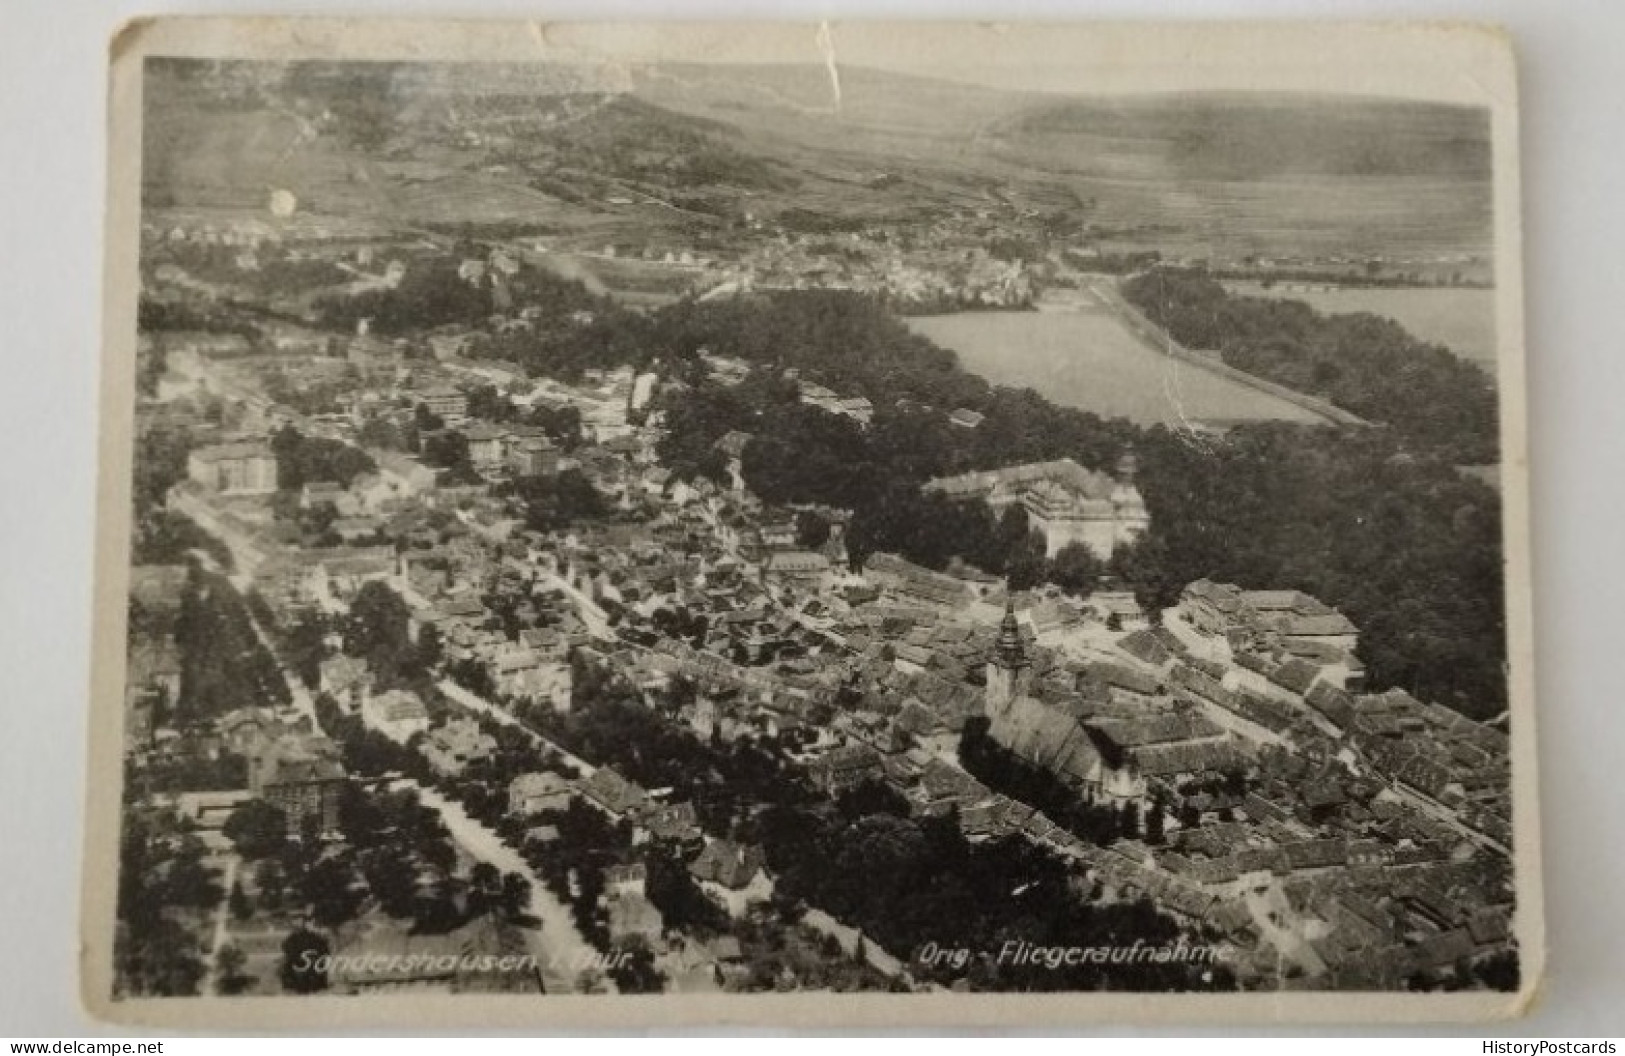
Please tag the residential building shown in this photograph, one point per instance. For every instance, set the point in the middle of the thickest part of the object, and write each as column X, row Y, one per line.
column 915, row 584
column 346, row 679
column 612, row 793
column 846, row 767
column 398, row 714
column 805, row 567
column 154, row 664
column 534, row 456
column 732, row 875
column 535, row 792
column 301, row 775
column 398, row 477
column 1288, row 616
column 486, row 445
column 453, row 747
column 627, row 905
column 242, row 468
column 325, row 492
column 447, row 403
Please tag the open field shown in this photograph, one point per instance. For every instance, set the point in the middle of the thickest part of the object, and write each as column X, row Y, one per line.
column 1089, row 360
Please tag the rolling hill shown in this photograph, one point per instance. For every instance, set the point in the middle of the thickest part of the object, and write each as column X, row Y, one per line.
column 691, row 149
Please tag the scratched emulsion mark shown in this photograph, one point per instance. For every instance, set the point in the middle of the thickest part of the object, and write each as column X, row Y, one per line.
column 823, row 44
column 826, row 47
column 1191, row 433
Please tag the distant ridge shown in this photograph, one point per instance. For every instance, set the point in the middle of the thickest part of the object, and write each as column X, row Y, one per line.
column 1193, row 174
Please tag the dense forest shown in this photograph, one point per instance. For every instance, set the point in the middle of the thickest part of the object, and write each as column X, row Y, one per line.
column 1439, row 403
column 1409, row 549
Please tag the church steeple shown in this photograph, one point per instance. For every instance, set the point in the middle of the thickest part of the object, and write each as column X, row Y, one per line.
column 1009, row 651
column 1007, row 667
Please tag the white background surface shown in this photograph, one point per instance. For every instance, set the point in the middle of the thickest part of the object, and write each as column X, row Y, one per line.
column 52, row 88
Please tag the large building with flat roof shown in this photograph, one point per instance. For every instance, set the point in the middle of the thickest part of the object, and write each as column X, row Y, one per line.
column 1064, row 501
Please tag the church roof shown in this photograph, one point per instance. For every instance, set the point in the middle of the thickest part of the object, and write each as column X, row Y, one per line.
column 1064, row 473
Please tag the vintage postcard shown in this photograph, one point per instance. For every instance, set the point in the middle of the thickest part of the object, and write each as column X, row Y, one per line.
column 811, row 525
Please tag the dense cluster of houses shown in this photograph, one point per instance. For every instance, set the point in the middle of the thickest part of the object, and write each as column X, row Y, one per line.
column 1339, row 811
column 733, row 875
column 1377, row 825
column 944, row 266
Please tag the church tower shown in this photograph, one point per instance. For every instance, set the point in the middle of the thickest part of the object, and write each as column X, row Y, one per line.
column 1128, row 505
column 1007, row 670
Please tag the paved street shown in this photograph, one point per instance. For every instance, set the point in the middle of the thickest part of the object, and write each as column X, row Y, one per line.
column 557, row 945
column 591, row 614
column 217, row 940
column 475, row 702
column 1283, row 929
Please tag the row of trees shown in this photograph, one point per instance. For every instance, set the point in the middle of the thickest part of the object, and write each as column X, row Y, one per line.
column 224, row 665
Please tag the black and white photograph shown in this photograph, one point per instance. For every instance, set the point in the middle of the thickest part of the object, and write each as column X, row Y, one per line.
column 930, row 520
